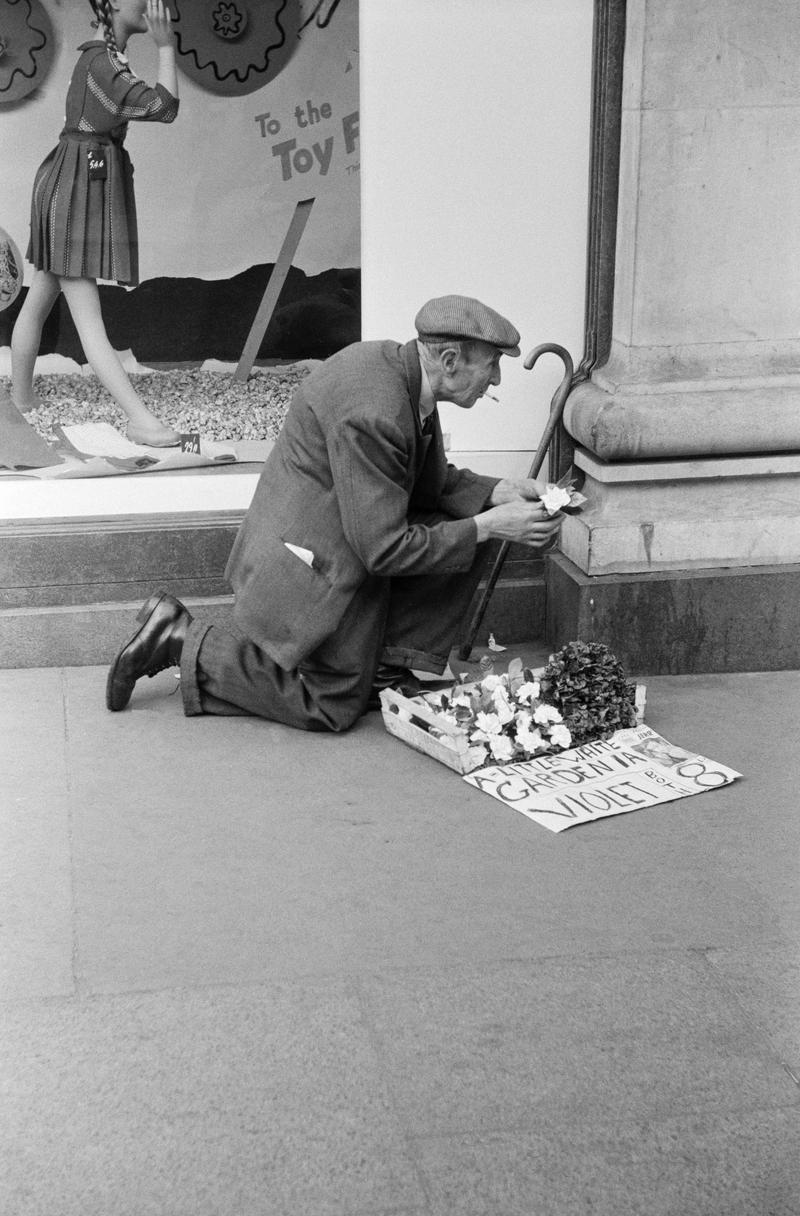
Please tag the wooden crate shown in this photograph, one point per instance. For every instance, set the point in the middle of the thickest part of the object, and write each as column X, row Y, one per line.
column 404, row 717
column 408, row 719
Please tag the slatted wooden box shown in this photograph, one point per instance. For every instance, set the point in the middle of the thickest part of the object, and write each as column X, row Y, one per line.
column 411, row 720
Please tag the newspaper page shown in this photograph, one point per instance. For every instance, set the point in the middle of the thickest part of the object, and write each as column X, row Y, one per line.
column 634, row 768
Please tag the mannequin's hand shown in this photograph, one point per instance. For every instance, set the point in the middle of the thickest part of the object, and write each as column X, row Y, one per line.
column 159, row 22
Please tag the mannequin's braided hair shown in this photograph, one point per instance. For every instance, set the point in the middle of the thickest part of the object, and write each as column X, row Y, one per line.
column 102, row 11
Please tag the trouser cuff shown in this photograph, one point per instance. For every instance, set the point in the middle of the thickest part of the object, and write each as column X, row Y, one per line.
column 418, row 660
column 190, row 689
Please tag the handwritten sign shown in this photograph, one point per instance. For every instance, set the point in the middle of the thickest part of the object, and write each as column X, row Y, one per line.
column 633, row 769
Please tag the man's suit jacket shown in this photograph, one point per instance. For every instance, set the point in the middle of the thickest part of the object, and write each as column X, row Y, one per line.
column 348, row 473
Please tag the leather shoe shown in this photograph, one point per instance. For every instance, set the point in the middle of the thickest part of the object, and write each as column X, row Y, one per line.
column 400, row 679
column 155, row 646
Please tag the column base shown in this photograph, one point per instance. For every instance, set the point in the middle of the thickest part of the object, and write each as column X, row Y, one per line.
column 680, row 621
column 648, row 515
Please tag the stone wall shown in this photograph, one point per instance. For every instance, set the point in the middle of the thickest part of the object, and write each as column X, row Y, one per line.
column 688, row 436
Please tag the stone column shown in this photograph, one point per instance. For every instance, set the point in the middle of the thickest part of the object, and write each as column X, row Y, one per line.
column 689, row 436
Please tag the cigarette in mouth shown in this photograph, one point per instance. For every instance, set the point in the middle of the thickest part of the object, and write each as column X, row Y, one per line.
column 492, row 397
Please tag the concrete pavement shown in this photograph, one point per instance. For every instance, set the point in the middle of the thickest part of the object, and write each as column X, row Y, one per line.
column 250, row 971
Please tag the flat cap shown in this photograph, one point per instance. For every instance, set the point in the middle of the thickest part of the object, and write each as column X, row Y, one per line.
column 463, row 317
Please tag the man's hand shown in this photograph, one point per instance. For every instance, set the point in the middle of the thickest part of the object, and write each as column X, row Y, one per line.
column 520, row 521
column 521, row 489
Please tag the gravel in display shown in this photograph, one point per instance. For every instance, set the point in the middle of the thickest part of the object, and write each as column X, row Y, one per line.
column 188, row 400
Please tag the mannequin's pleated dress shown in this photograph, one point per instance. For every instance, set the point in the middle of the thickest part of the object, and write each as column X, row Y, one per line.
column 83, row 209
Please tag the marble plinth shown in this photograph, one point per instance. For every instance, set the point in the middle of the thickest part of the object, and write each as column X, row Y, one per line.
column 645, row 516
column 679, row 621
column 689, row 418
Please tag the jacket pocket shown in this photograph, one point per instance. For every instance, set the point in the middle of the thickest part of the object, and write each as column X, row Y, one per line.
column 287, row 606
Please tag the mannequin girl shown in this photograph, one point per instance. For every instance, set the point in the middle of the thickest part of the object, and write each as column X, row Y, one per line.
column 83, row 211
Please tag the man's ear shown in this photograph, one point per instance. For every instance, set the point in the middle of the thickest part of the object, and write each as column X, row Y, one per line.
column 449, row 359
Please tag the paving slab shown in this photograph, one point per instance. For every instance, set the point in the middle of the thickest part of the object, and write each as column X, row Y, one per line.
column 715, row 1165
column 514, row 1045
column 36, row 924
column 188, row 1104
column 247, row 969
column 765, row 983
column 240, row 850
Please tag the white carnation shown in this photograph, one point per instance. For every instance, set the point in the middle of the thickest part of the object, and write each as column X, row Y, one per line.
column 501, row 747
column 531, row 741
column 560, row 736
column 554, row 498
column 502, row 705
column 528, row 692
column 488, row 723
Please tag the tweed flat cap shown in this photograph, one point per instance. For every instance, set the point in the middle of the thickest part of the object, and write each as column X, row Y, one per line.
column 463, row 317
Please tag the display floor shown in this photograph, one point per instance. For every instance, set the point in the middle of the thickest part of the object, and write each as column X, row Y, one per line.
column 77, row 432
column 248, row 970
column 236, row 424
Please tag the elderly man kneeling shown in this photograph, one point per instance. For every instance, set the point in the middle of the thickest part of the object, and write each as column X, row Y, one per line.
column 362, row 548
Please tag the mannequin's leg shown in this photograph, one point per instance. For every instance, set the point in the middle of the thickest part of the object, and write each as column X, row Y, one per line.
column 27, row 337
column 83, row 299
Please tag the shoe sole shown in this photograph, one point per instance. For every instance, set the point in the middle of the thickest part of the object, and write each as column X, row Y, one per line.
column 143, row 615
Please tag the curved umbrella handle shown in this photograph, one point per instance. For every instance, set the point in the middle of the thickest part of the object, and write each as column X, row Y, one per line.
column 559, row 397
column 556, row 410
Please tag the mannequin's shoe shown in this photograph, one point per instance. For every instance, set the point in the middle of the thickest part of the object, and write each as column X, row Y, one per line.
column 25, row 407
column 156, row 436
column 156, row 645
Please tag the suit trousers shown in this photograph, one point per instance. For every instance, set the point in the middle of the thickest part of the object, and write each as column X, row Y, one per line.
column 407, row 622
